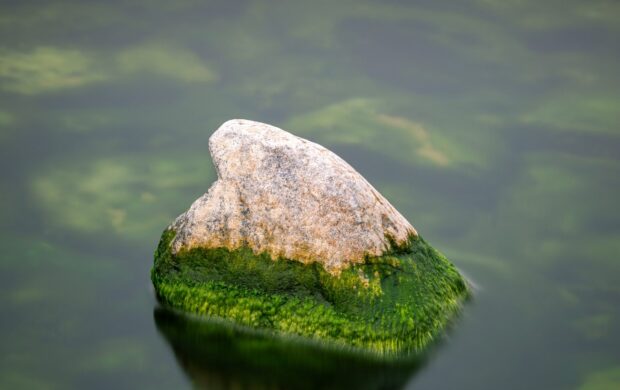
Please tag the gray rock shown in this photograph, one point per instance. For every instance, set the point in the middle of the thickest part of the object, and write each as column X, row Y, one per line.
column 289, row 197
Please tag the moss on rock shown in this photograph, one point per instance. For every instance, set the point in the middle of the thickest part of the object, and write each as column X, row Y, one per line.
column 389, row 305
column 216, row 355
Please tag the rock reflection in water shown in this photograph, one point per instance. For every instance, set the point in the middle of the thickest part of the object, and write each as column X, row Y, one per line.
column 217, row 356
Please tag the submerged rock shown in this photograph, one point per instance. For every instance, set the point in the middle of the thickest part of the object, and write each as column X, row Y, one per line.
column 217, row 357
column 291, row 239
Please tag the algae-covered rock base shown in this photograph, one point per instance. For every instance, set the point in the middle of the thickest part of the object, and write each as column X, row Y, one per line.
column 216, row 356
column 388, row 305
column 310, row 250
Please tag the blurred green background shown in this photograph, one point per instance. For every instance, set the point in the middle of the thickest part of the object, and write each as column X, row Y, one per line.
column 493, row 126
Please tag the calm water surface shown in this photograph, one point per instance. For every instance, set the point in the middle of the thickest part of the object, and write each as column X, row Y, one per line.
column 493, row 126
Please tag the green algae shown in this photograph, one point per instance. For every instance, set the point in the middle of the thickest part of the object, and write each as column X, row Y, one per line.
column 390, row 305
column 212, row 354
column 147, row 191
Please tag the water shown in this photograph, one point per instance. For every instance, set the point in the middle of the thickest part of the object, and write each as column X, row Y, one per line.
column 493, row 126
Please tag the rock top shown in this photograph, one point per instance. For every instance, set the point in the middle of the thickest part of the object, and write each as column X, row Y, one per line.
column 289, row 197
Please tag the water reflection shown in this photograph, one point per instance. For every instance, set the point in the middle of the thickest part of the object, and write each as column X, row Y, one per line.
column 219, row 357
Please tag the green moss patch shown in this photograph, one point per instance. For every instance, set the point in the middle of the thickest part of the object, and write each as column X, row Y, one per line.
column 389, row 305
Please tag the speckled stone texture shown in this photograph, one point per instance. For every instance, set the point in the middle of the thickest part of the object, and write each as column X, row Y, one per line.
column 289, row 197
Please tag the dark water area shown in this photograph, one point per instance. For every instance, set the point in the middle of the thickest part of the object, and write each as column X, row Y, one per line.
column 493, row 126
column 218, row 356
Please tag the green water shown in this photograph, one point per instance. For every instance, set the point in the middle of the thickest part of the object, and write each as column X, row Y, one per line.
column 493, row 126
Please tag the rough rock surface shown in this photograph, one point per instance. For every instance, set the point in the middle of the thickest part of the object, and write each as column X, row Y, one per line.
column 289, row 197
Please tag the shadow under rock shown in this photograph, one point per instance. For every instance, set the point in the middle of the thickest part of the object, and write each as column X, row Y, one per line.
column 216, row 356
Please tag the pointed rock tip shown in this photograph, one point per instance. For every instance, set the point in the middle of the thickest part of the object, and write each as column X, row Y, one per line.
column 289, row 197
